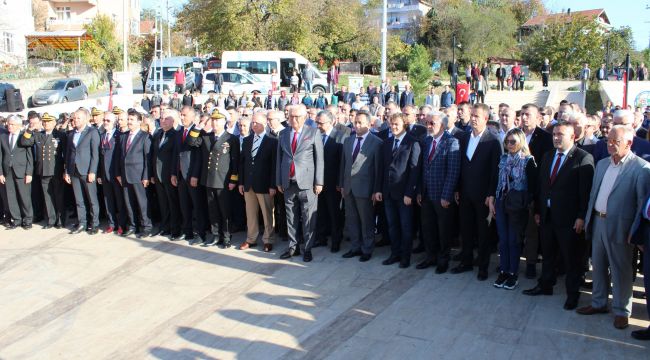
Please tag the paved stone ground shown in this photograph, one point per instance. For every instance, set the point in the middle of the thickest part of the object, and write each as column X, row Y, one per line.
column 106, row 297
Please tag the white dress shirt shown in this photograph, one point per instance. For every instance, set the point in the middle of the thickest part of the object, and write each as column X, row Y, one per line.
column 472, row 144
column 607, row 184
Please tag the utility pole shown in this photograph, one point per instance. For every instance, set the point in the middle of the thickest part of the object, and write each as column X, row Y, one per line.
column 384, row 40
column 169, row 36
column 125, row 44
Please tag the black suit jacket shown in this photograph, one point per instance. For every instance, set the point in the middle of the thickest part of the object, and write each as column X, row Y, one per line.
column 478, row 177
column 162, row 157
column 418, row 131
column 48, row 151
column 189, row 158
column 541, row 142
column 569, row 193
column 18, row 161
column 108, row 156
column 401, row 171
column 332, row 159
column 258, row 172
column 82, row 159
column 134, row 162
column 220, row 155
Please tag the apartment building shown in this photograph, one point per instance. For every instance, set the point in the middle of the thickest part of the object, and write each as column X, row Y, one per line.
column 16, row 21
column 74, row 14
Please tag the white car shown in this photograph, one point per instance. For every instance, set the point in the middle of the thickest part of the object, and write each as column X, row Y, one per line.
column 236, row 80
column 50, row 67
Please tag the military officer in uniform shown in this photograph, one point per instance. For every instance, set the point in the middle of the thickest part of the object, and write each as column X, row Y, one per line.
column 48, row 147
column 17, row 166
column 96, row 117
column 219, row 175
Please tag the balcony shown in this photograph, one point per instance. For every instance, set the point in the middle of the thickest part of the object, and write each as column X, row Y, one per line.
column 53, row 24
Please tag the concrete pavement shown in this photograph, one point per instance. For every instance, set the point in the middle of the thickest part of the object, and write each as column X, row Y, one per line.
column 107, row 297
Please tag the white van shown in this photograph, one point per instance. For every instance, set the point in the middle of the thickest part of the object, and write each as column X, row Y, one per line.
column 262, row 64
column 169, row 66
column 236, row 80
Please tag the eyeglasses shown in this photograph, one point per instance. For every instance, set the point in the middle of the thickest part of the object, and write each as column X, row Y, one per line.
column 511, row 142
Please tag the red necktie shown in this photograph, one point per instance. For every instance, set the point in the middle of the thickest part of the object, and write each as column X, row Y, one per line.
column 433, row 150
column 128, row 142
column 556, row 167
column 185, row 134
column 294, row 144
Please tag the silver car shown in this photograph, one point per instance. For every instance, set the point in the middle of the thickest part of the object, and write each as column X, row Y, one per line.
column 59, row 91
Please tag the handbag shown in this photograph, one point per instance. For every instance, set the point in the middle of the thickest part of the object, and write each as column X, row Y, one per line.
column 516, row 200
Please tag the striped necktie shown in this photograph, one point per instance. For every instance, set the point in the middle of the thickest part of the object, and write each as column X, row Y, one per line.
column 256, row 145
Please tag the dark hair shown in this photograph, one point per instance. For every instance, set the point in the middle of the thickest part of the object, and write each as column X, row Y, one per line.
column 485, row 108
column 364, row 113
column 137, row 115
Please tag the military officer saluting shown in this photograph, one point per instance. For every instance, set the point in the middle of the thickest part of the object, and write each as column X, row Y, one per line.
column 48, row 167
column 220, row 154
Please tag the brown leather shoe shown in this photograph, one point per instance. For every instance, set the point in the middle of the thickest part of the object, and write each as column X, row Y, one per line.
column 268, row 247
column 589, row 310
column 244, row 246
column 620, row 322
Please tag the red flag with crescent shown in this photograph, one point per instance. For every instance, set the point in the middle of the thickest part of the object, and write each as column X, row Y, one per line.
column 462, row 93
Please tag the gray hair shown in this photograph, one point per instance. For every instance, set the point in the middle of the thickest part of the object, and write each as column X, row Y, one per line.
column 628, row 132
column 15, row 119
column 624, row 113
column 327, row 114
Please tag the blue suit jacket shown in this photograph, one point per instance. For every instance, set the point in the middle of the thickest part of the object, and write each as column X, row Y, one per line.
column 402, row 171
column 134, row 163
column 440, row 176
column 83, row 158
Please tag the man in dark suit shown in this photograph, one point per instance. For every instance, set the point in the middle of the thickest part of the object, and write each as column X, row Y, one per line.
column 407, row 97
column 108, row 172
column 162, row 168
column 257, row 181
column 133, row 174
column 401, row 174
column 49, row 149
column 539, row 143
column 16, row 174
column 360, row 180
column 565, row 178
column 480, row 152
column 300, row 176
column 219, row 174
column 640, row 146
column 186, row 175
column 81, row 165
column 329, row 200
column 440, row 174
column 641, row 237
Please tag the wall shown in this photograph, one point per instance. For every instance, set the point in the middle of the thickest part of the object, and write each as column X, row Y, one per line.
column 16, row 19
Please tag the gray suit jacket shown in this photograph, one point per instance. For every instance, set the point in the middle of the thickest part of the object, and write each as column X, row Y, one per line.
column 626, row 199
column 363, row 176
column 308, row 159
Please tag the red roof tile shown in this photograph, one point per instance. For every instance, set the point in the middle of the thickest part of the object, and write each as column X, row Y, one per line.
column 591, row 14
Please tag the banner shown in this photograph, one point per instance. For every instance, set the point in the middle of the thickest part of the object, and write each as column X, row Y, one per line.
column 462, row 93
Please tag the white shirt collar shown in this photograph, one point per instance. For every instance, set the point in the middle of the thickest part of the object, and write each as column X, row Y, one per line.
column 400, row 137
column 471, row 134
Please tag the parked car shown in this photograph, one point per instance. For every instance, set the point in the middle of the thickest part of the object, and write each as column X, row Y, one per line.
column 59, row 91
column 50, row 67
column 235, row 80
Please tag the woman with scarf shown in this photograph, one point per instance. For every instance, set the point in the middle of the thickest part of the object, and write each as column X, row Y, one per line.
column 231, row 100
column 514, row 194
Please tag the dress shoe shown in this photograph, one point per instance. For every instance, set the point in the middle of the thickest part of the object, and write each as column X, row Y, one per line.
column 335, row 248
column 425, row 264
column 186, row 237
column 144, row 234
column 620, row 322
column 175, row 237
column 461, row 269
column 418, row 250
column 289, row 253
column 390, row 261
column 209, row 241
column 225, row 244
column 27, row 226
column 590, row 310
column 246, row 245
column 571, row 302
column 268, row 247
column 441, row 269
column 538, row 290
column 92, row 230
column 364, row 257
column 109, row 230
column 531, row 271
column 77, row 229
column 307, row 257
column 482, row 275
column 154, row 232
column 128, row 232
column 165, row 233
column 641, row 334
column 57, row 223
column 351, row 254
column 47, row 226
column 11, row 226
column 404, row 264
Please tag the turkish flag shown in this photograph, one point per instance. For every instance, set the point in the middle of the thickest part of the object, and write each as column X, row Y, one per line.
column 462, row 93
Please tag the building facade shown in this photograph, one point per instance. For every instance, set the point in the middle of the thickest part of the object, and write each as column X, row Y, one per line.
column 75, row 14
column 404, row 17
column 16, row 21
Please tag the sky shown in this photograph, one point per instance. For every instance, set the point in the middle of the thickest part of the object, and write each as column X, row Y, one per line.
column 632, row 13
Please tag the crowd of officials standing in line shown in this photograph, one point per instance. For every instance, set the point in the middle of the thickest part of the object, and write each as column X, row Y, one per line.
column 534, row 181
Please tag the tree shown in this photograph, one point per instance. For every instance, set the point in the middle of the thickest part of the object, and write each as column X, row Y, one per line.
column 103, row 52
column 419, row 71
column 39, row 11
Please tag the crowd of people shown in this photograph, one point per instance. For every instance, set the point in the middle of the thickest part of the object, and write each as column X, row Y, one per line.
column 566, row 185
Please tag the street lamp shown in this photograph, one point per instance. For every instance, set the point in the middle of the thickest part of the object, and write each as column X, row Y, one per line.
column 454, row 66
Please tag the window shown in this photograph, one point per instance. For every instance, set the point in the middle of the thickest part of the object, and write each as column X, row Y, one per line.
column 254, row 67
column 63, row 13
column 8, row 42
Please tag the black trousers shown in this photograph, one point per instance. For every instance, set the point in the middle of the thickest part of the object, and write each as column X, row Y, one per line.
column 135, row 203
column 561, row 244
column 280, row 215
column 114, row 200
column 192, row 201
column 436, row 229
column 85, row 195
column 474, row 227
column 545, row 80
column 500, row 83
column 170, row 212
column 52, row 187
column 38, row 201
column 19, row 199
column 330, row 217
column 219, row 212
